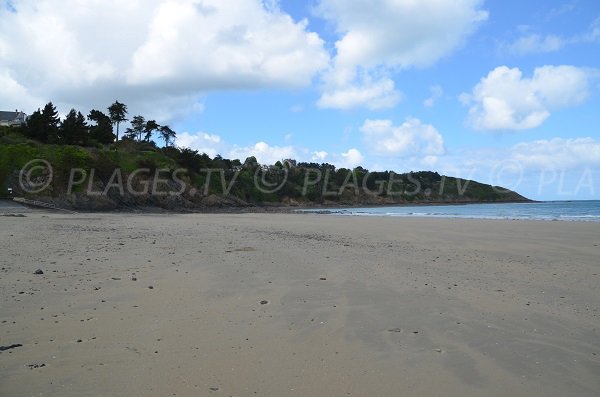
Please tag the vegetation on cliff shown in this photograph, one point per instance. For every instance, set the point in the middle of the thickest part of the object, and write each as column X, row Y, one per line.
column 89, row 170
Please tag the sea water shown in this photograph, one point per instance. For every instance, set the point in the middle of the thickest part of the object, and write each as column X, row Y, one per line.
column 588, row 210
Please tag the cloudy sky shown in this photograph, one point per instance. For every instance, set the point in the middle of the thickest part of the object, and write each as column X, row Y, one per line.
column 506, row 92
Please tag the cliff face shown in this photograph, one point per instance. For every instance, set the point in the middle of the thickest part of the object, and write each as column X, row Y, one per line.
column 137, row 176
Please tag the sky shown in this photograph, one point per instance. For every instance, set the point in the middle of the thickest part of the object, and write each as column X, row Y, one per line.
column 504, row 92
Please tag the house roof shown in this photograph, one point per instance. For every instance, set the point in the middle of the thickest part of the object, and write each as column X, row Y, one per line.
column 10, row 116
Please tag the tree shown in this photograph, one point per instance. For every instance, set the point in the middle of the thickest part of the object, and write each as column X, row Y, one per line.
column 50, row 122
column 73, row 129
column 151, row 126
column 42, row 125
column 250, row 163
column 167, row 134
column 34, row 128
column 117, row 112
column 138, row 126
column 236, row 164
column 103, row 130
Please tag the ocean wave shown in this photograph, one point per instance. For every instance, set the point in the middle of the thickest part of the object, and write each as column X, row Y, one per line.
column 537, row 217
column 571, row 211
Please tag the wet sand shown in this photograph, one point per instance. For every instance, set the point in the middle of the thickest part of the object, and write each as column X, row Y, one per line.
column 297, row 305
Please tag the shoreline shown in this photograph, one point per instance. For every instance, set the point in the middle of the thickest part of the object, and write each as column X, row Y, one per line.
column 344, row 210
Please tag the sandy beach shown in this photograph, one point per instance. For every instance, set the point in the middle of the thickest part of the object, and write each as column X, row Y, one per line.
column 297, row 305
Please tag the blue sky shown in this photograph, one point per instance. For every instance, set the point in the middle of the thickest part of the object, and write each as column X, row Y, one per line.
column 504, row 92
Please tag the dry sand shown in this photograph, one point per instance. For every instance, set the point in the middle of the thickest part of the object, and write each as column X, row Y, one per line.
column 356, row 306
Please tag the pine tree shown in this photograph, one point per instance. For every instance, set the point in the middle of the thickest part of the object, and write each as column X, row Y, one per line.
column 34, row 128
column 117, row 112
column 50, row 123
column 149, row 129
column 167, row 134
column 73, row 129
column 138, row 126
column 102, row 132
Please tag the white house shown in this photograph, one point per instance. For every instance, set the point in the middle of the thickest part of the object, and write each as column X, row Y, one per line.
column 12, row 118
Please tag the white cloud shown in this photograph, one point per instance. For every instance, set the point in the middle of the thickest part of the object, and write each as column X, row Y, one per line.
column 436, row 93
column 505, row 100
column 540, row 155
column 593, row 33
column 249, row 46
column 12, row 89
column 558, row 153
column 430, row 161
column 319, row 155
column 410, row 139
column 554, row 168
column 407, row 33
column 165, row 54
column 553, row 154
column 562, row 9
column 264, row 153
column 200, row 141
column 375, row 95
column 534, row 43
column 350, row 159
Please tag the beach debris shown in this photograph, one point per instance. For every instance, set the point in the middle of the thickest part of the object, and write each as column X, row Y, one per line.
column 13, row 346
column 116, row 278
column 264, row 302
column 245, row 249
column 133, row 278
column 395, row 330
column 438, row 350
column 415, row 332
column 36, row 365
column 150, row 287
column 213, row 388
column 38, row 271
column 323, row 278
